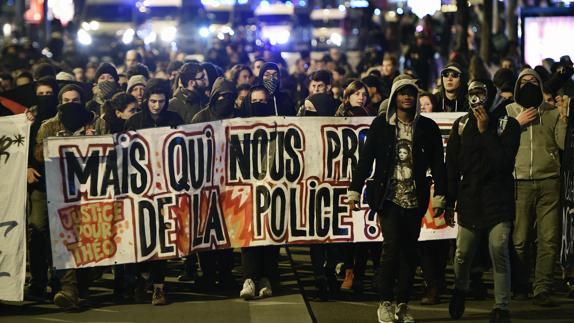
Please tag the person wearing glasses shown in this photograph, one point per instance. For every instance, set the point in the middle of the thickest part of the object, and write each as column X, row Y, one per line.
column 190, row 96
column 452, row 95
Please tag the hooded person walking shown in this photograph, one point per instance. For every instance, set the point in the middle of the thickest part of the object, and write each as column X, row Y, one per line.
column 404, row 145
column 218, row 264
column 537, row 178
column 480, row 160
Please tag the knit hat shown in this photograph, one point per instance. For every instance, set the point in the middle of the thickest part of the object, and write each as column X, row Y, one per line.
column 107, row 68
column 372, row 81
column 135, row 80
column 63, row 76
column 107, row 89
column 72, row 87
column 42, row 70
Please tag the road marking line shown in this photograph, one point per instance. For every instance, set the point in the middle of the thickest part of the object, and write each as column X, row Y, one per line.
column 358, row 303
column 107, row 311
column 271, row 303
column 445, row 309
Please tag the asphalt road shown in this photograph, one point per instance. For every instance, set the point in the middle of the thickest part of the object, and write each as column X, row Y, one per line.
column 294, row 301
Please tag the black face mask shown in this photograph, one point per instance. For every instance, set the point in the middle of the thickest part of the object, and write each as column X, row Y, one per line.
column 47, row 107
column 529, row 95
column 261, row 109
column 271, row 84
column 311, row 113
column 225, row 106
column 74, row 116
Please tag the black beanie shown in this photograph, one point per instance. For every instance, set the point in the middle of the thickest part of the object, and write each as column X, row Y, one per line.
column 43, row 70
column 542, row 72
column 371, row 81
column 504, row 80
column 72, row 87
column 106, row 68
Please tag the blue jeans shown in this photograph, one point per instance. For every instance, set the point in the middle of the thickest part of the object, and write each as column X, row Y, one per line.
column 467, row 242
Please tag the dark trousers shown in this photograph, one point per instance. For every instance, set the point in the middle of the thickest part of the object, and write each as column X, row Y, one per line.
column 156, row 269
column 363, row 252
column 260, row 262
column 324, row 258
column 356, row 256
column 401, row 229
column 190, row 264
column 38, row 239
column 216, row 263
column 125, row 277
column 434, row 256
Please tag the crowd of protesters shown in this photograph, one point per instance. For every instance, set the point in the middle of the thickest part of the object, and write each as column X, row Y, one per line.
column 506, row 150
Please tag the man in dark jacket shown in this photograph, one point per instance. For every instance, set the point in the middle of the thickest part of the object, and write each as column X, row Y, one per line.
column 72, row 119
column 218, row 264
column 154, row 112
column 190, row 97
column 452, row 95
column 480, row 160
column 282, row 103
column 38, row 231
column 404, row 145
column 221, row 103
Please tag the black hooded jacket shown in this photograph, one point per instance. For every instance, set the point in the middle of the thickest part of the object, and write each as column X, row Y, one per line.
column 380, row 147
column 143, row 119
column 221, row 86
column 324, row 104
column 480, row 170
column 46, row 109
column 280, row 100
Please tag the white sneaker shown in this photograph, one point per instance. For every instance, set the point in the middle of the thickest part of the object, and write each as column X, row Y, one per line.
column 248, row 291
column 265, row 288
column 386, row 312
column 402, row 315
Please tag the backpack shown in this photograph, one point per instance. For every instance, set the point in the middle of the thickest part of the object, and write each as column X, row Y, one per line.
column 502, row 122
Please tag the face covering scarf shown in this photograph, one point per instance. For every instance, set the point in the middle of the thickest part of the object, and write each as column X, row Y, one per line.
column 529, row 95
column 74, row 116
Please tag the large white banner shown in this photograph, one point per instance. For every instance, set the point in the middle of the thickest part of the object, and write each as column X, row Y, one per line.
column 164, row 193
column 14, row 131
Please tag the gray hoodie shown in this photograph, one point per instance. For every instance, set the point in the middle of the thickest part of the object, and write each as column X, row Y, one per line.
column 540, row 140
